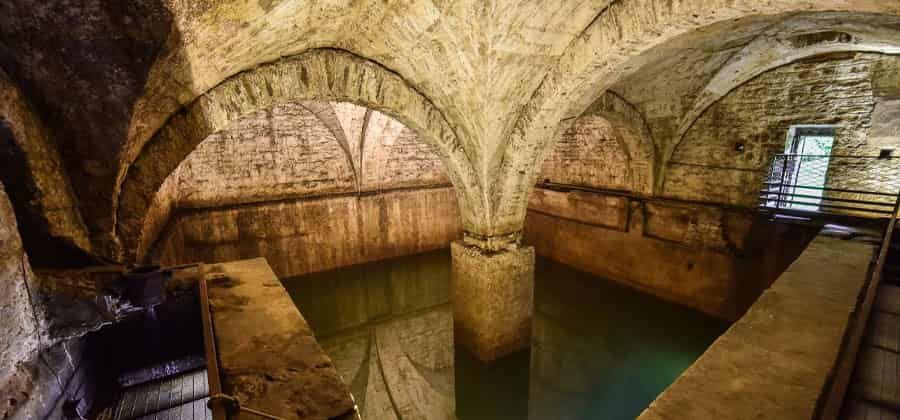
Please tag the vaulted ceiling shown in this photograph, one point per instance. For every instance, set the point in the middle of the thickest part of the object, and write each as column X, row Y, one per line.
column 499, row 80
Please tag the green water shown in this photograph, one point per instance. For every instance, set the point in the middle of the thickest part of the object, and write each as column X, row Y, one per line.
column 599, row 351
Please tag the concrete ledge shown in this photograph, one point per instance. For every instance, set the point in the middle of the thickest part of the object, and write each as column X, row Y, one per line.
column 268, row 356
column 774, row 362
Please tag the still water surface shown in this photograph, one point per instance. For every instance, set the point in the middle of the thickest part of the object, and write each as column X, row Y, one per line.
column 598, row 351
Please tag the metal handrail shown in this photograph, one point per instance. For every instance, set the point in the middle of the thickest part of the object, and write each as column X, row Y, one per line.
column 787, row 186
column 835, row 156
column 768, row 194
column 843, row 190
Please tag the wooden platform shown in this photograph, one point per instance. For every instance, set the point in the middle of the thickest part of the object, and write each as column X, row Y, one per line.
column 875, row 390
column 180, row 397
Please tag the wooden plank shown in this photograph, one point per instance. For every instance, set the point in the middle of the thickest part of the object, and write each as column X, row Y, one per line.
column 888, row 299
column 875, row 378
column 863, row 410
column 884, row 331
column 148, row 398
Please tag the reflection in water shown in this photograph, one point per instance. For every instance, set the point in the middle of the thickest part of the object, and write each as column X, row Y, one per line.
column 602, row 351
column 598, row 350
column 388, row 327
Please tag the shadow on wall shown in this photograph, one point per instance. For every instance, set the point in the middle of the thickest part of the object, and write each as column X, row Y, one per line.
column 44, row 248
column 83, row 65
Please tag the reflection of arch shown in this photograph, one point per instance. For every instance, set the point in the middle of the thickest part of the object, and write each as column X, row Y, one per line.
column 608, row 50
column 319, row 74
column 36, row 179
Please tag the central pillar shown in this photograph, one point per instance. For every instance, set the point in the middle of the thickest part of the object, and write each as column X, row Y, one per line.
column 493, row 298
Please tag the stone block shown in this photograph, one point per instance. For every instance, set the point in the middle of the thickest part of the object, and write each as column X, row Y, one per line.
column 493, row 299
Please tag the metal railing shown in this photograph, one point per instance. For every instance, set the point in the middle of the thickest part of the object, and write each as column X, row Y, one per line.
column 865, row 186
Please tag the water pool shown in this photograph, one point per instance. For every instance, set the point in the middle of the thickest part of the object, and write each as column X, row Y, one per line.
column 598, row 351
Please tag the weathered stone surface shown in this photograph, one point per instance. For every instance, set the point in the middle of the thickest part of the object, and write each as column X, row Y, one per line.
column 799, row 346
column 758, row 114
column 308, row 76
column 21, row 331
column 593, row 153
column 653, row 40
column 714, row 259
column 288, row 152
column 83, row 65
column 493, row 298
column 36, row 179
column 269, row 358
column 492, row 87
column 309, row 235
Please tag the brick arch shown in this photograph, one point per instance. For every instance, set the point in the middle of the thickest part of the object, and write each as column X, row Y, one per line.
column 331, row 75
column 607, row 51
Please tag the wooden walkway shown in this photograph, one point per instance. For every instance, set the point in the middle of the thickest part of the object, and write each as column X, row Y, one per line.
column 875, row 388
column 179, row 397
column 875, row 391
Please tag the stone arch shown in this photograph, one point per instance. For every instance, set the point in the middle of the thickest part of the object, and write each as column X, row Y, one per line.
column 314, row 75
column 36, row 179
column 326, row 114
column 757, row 116
column 634, row 133
column 771, row 51
column 605, row 52
column 611, row 114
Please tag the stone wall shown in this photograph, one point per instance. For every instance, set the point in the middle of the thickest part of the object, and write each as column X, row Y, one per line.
column 308, row 235
column 311, row 186
column 593, row 153
column 711, row 258
column 20, row 331
column 696, row 240
column 843, row 90
column 38, row 370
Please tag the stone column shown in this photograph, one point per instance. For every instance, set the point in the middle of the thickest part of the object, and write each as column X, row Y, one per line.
column 493, row 298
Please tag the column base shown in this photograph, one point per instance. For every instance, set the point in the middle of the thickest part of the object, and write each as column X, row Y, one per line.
column 493, row 299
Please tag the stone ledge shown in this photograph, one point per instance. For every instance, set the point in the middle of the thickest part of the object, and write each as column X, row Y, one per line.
column 775, row 361
column 268, row 356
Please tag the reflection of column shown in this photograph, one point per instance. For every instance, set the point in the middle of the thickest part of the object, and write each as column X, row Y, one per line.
column 560, row 374
column 493, row 297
